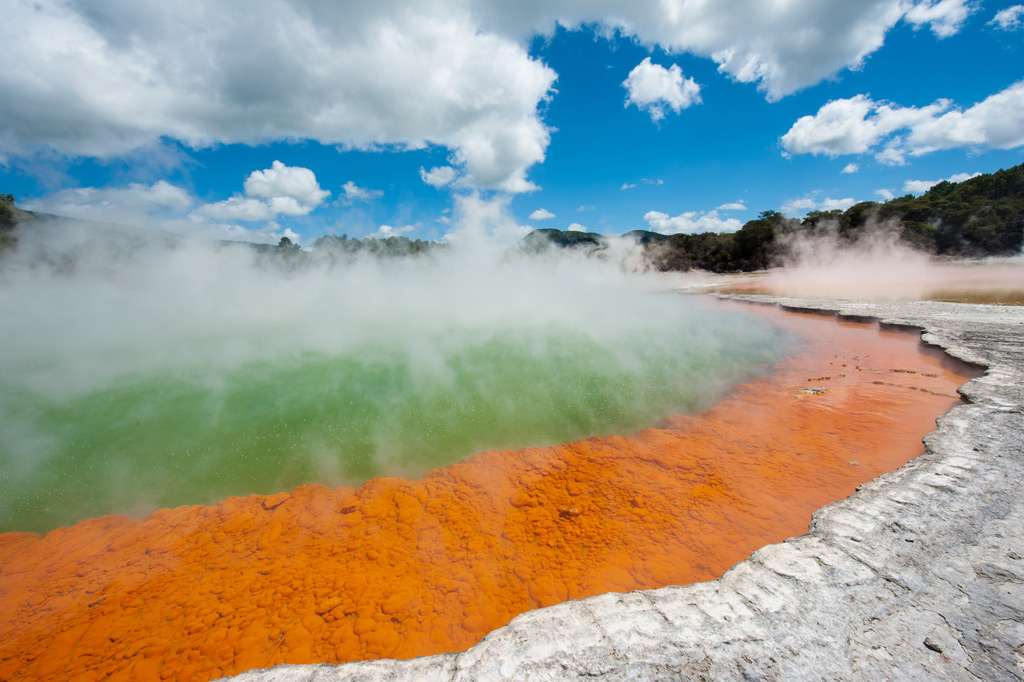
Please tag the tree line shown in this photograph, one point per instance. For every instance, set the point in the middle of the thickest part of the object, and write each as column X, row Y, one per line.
column 982, row 216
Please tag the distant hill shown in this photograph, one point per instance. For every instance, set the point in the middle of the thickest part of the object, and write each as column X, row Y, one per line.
column 570, row 239
column 10, row 216
column 645, row 236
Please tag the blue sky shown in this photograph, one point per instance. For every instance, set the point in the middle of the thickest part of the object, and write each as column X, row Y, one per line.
column 287, row 117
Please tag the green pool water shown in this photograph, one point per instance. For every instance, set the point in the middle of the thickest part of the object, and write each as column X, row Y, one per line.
column 199, row 434
column 136, row 376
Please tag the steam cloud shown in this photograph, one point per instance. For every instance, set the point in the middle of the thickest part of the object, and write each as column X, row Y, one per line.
column 877, row 265
column 230, row 352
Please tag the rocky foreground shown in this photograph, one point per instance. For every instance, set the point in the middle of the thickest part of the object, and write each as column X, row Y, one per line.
column 919, row 575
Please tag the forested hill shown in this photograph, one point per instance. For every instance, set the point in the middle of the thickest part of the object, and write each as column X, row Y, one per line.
column 983, row 216
column 9, row 217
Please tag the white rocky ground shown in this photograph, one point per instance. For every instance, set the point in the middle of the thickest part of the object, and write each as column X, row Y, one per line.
column 919, row 575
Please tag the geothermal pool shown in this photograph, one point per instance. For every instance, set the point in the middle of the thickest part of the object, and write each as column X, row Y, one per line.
column 211, row 462
column 401, row 568
column 129, row 392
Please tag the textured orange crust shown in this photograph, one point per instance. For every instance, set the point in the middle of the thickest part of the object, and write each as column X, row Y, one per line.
column 401, row 568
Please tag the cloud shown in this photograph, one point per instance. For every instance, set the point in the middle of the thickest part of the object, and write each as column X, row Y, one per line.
column 354, row 192
column 90, row 82
column 286, row 181
column 919, row 186
column 87, row 80
column 853, row 126
column 885, row 194
column 389, row 231
column 652, row 87
column 485, row 223
column 160, row 206
column 647, row 181
column 576, row 227
column 278, row 190
column 837, row 204
column 542, row 214
column 799, row 206
column 135, row 204
column 922, row 186
column 732, row 206
column 782, row 47
column 691, row 222
column 1008, row 19
column 237, row 208
column 850, row 168
column 585, row 207
column 438, row 176
column 859, row 125
column 945, row 17
column 809, row 203
column 997, row 122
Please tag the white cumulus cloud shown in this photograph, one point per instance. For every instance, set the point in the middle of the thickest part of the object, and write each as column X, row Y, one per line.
column 96, row 81
column 653, row 87
column 850, row 168
column 576, row 227
column 237, row 208
column 278, row 190
column 542, row 214
column 353, row 193
column 438, row 176
column 859, row 125
column 945, row 17
column 810, row 203
column 922, row 186
column 732, row 206
column 136, row 204
column 782, row 47
column 285, row 181
column 101, row 79
column 391, row 231
column 690, row 222
column 1008, row 19
column 160, row 206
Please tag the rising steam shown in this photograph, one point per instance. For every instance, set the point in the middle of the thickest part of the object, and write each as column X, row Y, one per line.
column 142, row 371
column 878, row 265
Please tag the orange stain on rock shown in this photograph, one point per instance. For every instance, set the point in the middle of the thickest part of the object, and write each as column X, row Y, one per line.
column 400, row 568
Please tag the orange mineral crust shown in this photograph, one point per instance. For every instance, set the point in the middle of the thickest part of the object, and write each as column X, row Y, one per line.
column 400, row 568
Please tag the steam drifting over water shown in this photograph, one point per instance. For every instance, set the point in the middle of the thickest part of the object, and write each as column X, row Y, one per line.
column 141, row 372
column 879, row 266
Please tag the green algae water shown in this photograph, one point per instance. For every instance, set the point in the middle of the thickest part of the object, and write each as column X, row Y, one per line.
column 123, row 399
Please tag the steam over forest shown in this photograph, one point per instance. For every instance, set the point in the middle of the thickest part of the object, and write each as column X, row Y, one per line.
column 982, row 216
